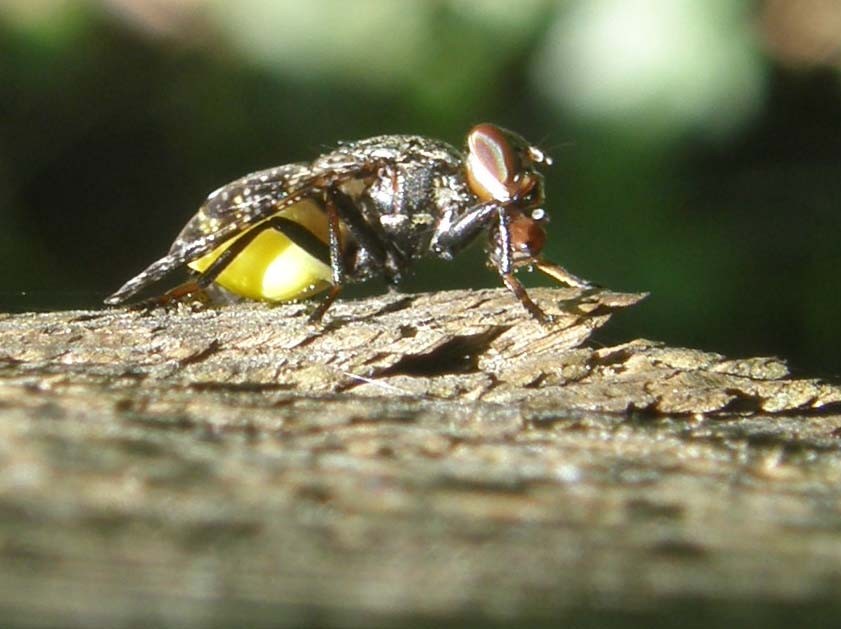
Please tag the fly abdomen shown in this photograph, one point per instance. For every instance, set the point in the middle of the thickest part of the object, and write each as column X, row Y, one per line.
column 287, row 258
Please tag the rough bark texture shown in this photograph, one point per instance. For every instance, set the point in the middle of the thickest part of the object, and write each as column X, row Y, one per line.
column 420, row 457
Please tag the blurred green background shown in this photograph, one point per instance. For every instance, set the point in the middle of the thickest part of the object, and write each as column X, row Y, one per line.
column 697, row 145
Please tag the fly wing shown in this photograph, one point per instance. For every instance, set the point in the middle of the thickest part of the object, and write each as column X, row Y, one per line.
column 225, row 213
column 238, row 205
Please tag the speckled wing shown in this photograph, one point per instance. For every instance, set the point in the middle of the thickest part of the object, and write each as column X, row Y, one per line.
column 226, row 212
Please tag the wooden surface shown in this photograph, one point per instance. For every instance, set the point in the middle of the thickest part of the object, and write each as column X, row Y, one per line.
column 420, row 458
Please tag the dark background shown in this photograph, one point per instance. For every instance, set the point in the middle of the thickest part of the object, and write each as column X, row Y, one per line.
column 697, row 148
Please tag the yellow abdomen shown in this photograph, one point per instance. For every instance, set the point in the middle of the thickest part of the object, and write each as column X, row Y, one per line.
column 272, row 267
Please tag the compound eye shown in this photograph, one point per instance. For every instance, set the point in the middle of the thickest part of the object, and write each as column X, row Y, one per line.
column 494, row 167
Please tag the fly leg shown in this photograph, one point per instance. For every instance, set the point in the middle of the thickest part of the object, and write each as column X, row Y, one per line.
column 457, row 235
column 385, row 256
column 448, row 242
column 505, row 266
column 560, row 274
column 342, row 210
column 173, row 295
column 337, row 261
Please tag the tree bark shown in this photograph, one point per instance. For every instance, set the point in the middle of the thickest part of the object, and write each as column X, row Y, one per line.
column 435, row 456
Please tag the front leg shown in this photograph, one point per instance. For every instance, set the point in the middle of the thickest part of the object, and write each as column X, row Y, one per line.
column 504, row 261
column 453, row 236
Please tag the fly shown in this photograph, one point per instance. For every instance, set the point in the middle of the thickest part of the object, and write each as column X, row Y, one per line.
column 368, row 208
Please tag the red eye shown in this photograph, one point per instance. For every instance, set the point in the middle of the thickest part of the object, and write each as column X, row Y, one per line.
column 500, row 167
column 494, row 167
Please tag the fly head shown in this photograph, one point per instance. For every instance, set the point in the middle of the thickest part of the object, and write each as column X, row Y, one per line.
column 501, row 170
